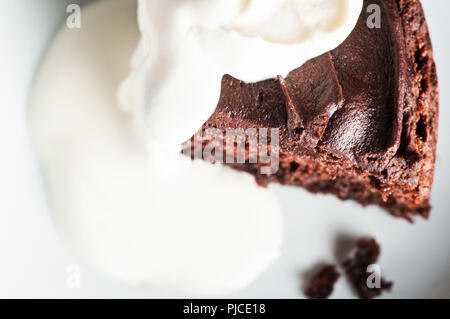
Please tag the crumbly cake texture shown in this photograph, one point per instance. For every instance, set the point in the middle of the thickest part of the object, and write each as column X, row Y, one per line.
column 360, row 121
column 367, row 253
column 322, row 284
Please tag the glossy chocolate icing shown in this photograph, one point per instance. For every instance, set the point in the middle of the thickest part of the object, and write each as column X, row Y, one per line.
column 348, row 102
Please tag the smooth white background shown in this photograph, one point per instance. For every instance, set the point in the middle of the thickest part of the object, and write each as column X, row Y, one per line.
column 33, row 261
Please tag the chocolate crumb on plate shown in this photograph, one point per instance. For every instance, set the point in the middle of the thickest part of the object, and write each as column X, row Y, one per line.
column 322, row 283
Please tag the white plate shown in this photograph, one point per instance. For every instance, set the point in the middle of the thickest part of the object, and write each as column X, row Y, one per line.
column 34, row 263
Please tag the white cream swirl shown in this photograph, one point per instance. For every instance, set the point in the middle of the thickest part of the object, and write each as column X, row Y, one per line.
column 187, row 45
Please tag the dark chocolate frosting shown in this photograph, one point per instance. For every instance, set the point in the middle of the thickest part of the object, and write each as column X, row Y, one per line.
column 348, row 102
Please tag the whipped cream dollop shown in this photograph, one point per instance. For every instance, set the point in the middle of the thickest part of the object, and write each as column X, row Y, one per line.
column 143, row 212
column 188, row 45
column 143, row 215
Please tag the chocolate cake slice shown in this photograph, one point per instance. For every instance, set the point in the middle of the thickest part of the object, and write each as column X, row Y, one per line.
column 360, row 121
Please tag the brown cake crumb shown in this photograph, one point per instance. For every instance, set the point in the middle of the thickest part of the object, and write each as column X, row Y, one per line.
column 367, row 253
column 322, row 283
